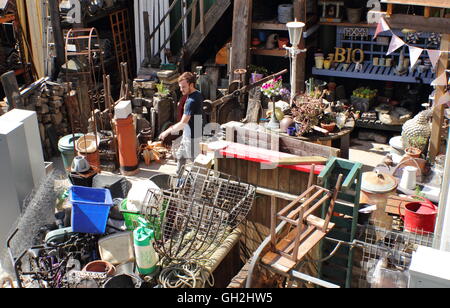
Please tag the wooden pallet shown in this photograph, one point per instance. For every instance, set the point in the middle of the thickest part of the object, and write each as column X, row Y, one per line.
column 375, row 73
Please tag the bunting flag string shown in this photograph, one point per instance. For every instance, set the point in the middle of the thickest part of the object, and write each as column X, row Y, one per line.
column 434, row 56
column 381, row 27
column 395, row 44
column 441, row 80
column 414, row 52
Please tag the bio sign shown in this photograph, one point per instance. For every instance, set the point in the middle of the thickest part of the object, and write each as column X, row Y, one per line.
column 348, row 55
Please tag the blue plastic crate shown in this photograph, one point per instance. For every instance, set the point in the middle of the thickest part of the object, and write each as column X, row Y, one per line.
column 90, row 209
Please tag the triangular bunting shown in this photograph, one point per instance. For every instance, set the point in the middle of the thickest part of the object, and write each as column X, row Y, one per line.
column 441, row 80
column 395, row 44
column 434, row 56
column 445, row 99
column 414, row 54
column 381, row 27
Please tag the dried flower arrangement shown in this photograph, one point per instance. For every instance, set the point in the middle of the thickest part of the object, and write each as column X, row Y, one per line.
column 307, row 113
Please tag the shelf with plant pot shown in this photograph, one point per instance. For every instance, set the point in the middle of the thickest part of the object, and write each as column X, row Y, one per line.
column 377, row 124
column 354, row 37
column 269, row 52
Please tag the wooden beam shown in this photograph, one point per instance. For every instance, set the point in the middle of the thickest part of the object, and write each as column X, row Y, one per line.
column 242, row 24
column 431, row 3
column 438, row 110
column 419, row 23
column 300, row 15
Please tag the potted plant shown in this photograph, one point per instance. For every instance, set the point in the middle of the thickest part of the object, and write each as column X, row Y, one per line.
column 272, row 89
column 163, row 91
column 306, row 113
column 413, row 152
column 415, row 146
column 328, row 121
column 258, row 72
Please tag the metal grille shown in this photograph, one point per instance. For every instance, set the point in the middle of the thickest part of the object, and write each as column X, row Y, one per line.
column 391, row 251
column 194, row 219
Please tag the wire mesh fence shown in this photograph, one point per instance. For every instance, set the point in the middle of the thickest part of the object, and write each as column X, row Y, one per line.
column 385, row 255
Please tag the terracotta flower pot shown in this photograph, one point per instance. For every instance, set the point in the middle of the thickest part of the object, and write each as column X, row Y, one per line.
column 329, row 127
column 413, row 152
column 100, row 267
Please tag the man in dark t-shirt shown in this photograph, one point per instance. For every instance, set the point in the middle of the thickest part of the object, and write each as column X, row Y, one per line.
column 191, row 123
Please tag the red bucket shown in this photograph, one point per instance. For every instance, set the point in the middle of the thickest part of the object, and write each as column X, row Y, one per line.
column 420, row 216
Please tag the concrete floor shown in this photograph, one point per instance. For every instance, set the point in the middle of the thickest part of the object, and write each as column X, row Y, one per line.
column 369, row 153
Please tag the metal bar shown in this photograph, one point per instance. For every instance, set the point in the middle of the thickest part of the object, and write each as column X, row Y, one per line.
column 316, row 281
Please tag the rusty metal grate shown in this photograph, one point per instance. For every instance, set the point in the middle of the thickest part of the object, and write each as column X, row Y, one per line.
column 197, row 216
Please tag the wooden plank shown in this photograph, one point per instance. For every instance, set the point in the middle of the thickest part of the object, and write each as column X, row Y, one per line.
column 432, row 3
column 305, row 160
column 269, row 52
column 242, row 20
column 269, row 25
column 438, row 110
column 419, row 23
column 284, row 264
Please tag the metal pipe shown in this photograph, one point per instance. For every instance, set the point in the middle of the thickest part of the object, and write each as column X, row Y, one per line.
column 442, row 228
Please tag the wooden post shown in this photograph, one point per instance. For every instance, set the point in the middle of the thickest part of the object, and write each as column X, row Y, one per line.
column 202, row 17
column 438, row 110
column 194, row 17
column 11, row 89
column 273, row 221
column 242, row 24
column 300, row 60
column 53, row 6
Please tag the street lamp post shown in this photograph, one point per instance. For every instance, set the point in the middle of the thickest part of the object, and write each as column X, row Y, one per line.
column 295, row 35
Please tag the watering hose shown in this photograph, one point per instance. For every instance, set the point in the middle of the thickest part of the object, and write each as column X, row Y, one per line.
column 188, row 275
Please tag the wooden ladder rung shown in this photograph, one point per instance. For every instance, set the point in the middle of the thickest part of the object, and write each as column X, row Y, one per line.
column 293, row 203
column 306, row 203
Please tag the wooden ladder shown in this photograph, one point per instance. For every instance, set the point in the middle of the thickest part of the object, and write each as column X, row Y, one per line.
column 305, row 229
column 338, row 268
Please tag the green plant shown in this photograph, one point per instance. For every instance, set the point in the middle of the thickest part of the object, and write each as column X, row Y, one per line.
column 328, row 118
column 418, row 193
column 162, row 89
column 418, row 142
column 258, row 69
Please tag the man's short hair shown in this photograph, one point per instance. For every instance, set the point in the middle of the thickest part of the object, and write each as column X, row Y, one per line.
column 189, row 77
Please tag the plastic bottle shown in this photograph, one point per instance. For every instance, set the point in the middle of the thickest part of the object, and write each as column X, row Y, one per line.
column 146, row 256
